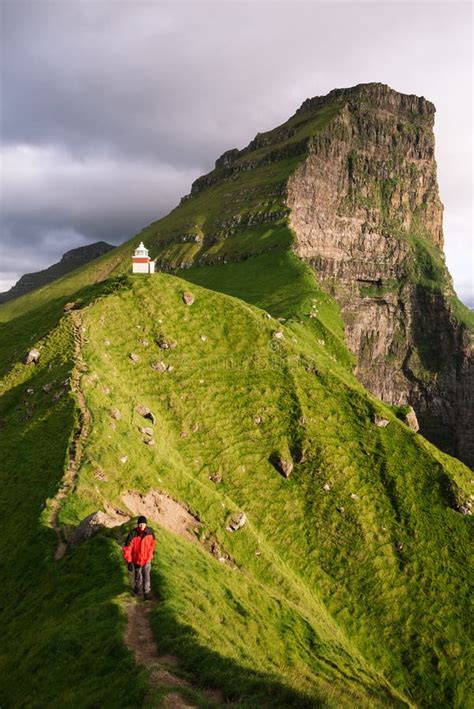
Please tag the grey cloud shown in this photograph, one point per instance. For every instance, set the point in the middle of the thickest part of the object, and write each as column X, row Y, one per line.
column 161, row 89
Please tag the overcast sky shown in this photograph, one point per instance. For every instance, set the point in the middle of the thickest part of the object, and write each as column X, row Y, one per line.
column 110, row 109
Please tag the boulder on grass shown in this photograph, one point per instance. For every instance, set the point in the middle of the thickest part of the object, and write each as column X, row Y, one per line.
column 236, row 521
column 411, row 420
column 33, row 357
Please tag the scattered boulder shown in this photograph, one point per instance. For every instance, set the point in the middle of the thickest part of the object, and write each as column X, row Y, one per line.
column 107, row 343
column 30, row 391
column 123, row 459
column 134, row 357
column 257, row 420
column 203, row 338
column 33, row 357
column 146, row 430
column 146, row 413
column 380, row 421
column 216, row 551
column 169, row 368
column 145, row 343
column 278, row 335
column 326, row 486
column 411, row 420
column 116, row 414
column 165, row 343
column 300, row 457
column 183, row 434
column 71, row 306
column 354, row 496
column 284, row 466
column 399, row 546
column 158, row 366
column 236, row 521
column 149, row 442
column 97, row 520
column 216, row 478
column 188, row 298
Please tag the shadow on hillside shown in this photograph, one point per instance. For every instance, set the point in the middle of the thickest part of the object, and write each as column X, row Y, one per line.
column 242, row 686
column 61, row 631
column 19, row 335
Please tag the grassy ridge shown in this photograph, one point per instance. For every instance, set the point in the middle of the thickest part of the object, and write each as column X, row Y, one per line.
column 347, row 616
column 345, row 562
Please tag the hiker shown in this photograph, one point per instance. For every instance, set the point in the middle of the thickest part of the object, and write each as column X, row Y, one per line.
column 138, row 553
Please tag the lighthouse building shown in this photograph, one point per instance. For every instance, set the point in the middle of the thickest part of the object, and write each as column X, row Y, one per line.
column 141, row 263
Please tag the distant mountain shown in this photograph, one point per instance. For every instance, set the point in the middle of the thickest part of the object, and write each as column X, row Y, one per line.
column 69, row 262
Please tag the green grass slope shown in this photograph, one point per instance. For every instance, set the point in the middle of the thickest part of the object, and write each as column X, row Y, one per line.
column 324, row 608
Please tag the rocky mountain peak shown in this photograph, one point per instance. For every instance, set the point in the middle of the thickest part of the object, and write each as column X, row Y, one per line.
column 376, row 96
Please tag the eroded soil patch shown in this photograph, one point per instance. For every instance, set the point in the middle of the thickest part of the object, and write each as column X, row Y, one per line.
column 162, row 509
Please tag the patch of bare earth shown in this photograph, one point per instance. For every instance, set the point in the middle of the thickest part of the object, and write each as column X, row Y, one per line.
column 139, row 639
column 175, row 517
column 165, row 511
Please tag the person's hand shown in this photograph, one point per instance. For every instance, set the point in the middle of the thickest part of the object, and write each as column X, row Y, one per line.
column 130, row 566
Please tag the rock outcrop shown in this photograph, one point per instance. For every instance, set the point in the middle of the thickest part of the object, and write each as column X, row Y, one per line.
column 366, row 213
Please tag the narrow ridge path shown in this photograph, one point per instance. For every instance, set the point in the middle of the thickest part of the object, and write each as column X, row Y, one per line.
column 80, row 434
column 139, row 639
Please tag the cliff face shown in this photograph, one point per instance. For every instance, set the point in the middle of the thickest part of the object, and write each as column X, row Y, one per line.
column 69, row 261
column 365, row 209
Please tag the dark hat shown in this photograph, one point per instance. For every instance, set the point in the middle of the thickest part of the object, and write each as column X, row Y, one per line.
column 141, row 520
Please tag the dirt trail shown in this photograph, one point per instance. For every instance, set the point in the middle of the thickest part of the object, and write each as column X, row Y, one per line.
column 80, row 434
column 139, row 639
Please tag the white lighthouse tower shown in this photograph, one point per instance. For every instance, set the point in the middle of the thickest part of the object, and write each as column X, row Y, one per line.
column 141, row 262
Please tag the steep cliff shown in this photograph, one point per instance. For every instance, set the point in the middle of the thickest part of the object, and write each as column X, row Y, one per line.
column 365, row 209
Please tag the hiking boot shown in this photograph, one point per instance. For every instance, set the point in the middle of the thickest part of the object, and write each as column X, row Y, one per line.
column 147, row 596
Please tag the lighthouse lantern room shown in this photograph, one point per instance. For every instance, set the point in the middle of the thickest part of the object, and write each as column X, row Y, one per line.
column 141, row 262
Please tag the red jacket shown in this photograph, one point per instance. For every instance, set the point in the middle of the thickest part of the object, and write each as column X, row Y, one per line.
column 139, row 546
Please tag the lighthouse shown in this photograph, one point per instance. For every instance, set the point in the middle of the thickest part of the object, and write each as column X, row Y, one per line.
column 141, row 262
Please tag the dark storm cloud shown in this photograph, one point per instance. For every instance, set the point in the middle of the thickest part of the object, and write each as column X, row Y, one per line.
column 111, row 109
